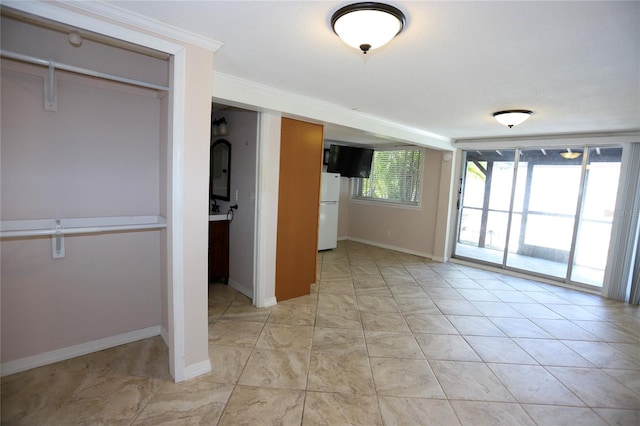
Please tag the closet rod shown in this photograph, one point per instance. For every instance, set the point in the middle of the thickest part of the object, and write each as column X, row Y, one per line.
column 85, row 230
column 36, row 228
column 78, row 70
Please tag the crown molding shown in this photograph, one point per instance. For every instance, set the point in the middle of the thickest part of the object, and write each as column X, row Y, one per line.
column 114, row 13
column 235, row 91
column 107, row 10
column 80, row 18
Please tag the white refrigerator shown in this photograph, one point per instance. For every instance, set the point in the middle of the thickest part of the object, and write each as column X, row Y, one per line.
column 329, row 202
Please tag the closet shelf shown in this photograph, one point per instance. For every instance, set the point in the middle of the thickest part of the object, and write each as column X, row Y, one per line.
column 93, row 225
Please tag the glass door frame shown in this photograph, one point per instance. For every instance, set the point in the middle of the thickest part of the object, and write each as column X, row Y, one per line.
column 567, row 279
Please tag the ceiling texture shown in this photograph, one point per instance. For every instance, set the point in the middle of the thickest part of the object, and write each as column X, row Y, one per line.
column 576, row 65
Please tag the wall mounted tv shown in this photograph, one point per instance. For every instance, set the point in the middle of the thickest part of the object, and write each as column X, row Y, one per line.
column 350, row 161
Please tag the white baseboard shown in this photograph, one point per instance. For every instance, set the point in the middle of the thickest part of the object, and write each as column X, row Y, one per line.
column 196, row 370
column 165, row 335
column 440, row 259
column 27, row 363
column 246, row 290
column 391, row 247
column 269, row 301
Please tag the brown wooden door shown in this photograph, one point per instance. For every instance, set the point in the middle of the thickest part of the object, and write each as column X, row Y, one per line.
column 301, row 146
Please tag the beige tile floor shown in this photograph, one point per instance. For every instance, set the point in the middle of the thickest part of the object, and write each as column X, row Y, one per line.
column 384, row 338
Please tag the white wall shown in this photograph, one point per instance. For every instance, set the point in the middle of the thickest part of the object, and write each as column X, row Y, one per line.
column 344, row 208
column 98, row 155
column 242, row 134
column 194, row 205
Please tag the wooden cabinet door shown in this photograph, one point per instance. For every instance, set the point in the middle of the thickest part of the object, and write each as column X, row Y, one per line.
column 301, row 146
column 219, row 250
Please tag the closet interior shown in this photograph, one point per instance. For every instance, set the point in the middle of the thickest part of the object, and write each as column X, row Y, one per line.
column 84, row 192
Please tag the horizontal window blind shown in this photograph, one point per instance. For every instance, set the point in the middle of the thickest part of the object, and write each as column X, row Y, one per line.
column 395, row 177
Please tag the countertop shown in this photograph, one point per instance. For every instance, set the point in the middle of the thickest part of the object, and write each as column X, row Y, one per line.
column 217, row 217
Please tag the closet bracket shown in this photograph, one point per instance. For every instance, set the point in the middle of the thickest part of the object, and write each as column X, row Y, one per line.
column 57, row 242
column 50, row 89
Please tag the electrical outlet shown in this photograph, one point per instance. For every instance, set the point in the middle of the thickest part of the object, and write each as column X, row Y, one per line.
column 388, row 234
column 235, row 195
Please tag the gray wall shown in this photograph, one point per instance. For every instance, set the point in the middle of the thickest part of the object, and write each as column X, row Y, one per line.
column 97, row 156
column 242, row 134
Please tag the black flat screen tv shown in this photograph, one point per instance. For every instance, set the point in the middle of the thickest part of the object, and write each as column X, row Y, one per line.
column 350, row 161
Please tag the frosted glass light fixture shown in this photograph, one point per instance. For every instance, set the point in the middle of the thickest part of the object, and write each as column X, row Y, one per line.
column 367, row 25
column 570, row 155
column 512, row 117
column 219, row 127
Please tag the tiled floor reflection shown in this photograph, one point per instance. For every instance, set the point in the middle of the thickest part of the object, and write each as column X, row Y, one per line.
column 384, row 338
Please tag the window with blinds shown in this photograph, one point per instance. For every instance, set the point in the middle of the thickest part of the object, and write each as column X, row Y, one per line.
column 395, row 177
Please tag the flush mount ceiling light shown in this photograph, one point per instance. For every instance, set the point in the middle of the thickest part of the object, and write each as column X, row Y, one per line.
column 367, row 25
column 570, row 155
column 512, row 117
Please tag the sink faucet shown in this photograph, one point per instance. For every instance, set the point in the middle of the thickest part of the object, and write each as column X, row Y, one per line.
column 213, row 206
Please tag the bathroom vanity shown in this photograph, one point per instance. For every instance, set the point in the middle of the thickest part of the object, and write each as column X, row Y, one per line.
column 219, row 248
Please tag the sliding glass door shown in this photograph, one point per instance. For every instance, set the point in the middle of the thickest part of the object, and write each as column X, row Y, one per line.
column 596, row 215
column 543, row 211
column 484, row 208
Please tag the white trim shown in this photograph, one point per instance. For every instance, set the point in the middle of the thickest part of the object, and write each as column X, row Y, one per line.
column 198, row 369
column 268, row 158
column 446, row 208
column 176, row 299
column 458, row 165
column 129, row 17
column 634, row 288
column 622, row 247
column 390, row 247
column 165, row 335
column 244, row 289
column 269, row 301
column 256, row 212
column 73, row 16
column 550, row 141
column 239, row 92
column 378, row 202
column 62, row 354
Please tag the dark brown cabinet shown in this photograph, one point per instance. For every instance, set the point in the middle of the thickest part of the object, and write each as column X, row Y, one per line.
column 219, row 251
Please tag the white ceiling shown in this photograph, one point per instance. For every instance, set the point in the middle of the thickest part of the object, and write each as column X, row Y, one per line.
column 575, row 64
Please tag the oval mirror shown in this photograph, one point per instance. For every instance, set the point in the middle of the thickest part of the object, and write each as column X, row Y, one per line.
column 220, row 170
